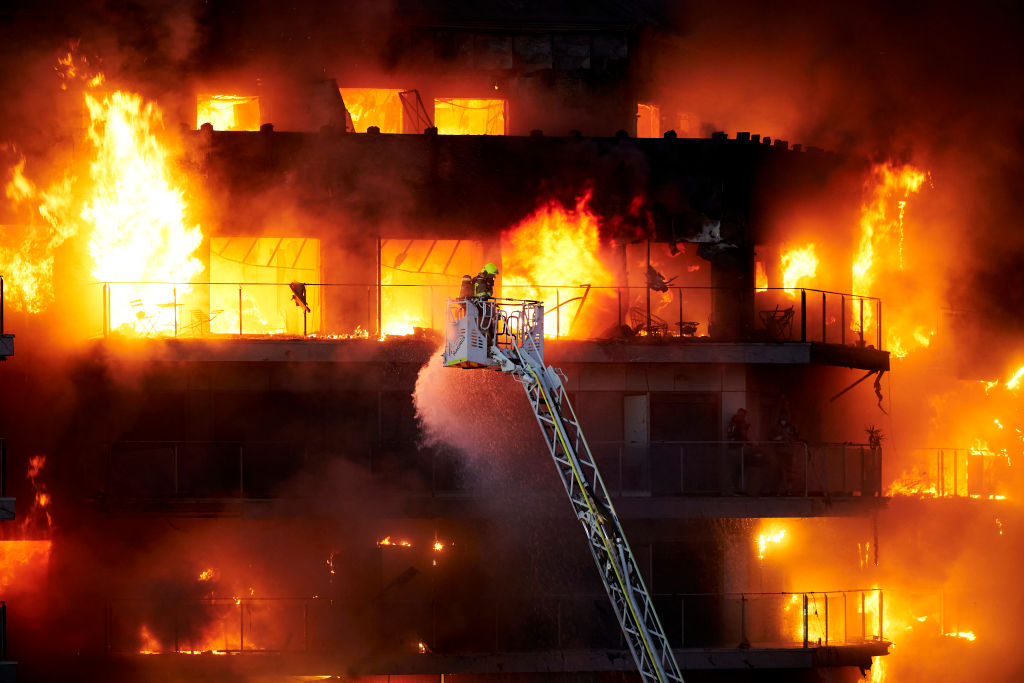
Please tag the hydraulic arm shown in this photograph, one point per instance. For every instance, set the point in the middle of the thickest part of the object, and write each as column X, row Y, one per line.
column 509, row 334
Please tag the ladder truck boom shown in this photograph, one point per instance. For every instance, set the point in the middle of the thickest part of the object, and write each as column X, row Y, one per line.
column 508, row 334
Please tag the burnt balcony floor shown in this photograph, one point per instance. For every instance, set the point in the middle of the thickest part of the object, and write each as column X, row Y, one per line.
column 230, row 667
column 459, row 506
column 418, row 349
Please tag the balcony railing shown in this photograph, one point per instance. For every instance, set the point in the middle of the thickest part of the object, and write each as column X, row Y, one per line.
column 955, row 473
column 486, row 624
column 241, row 309
column 724, row 468
column 240, row 470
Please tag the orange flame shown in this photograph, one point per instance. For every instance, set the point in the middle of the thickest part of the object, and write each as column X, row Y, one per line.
column 381, row 107
column 965, row 635
column 554, row 246
column 23, row 563
column 387, row 541
column 26, row 261
column 760, row 277
column 150, row 645
column 765, row 539
column 38, row 519
column 878, row 225
column 798, row 264
column 137, row 211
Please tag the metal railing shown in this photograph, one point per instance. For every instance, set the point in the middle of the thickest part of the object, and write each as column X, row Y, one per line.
column 177, row 309
column 227, row 470
column 955, row 473
column 819, row 315
column 814, row 619
column 488, row 624
column 255, row 470
column 725, row 468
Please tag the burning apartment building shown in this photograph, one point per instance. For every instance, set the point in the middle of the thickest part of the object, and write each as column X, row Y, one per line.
column 233, row 273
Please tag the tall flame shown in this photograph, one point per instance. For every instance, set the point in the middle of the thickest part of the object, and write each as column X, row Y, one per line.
column 26, row 260
column 888, row 188
column 554, row 246
column 136, row 209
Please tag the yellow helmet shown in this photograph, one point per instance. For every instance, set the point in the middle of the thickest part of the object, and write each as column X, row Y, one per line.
column 491, row 269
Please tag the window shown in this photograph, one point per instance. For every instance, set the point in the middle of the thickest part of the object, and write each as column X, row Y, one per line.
column 648, row 121
column 228, row 112
column 259, row 270
column 418, row 275
column 381, row 107
column 469, row 117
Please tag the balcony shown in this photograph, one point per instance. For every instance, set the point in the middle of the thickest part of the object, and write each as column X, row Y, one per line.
column 696, row 479
column 697, row 324
column 425, row 634
column 956, row 473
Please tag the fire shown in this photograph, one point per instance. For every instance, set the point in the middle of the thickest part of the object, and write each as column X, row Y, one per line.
column 1014, row 382
column 26, row 260
column 965, row 635
column 438, row 546
column 228, row 112
column 798, row 264
column 554, row 246
column 22, row 563
column 760, row 277
column 879, row 221
column 38, row 518
column 206, row 575
column 137, row 212
column 381, row 107
column 387, row 541
column 150, row 645
column 765, row 539
column 469, row 117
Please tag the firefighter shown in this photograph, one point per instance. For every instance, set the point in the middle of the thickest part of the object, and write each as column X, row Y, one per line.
column 483, row 283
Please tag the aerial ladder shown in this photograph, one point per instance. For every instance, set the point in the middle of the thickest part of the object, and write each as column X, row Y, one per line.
column 508, row 334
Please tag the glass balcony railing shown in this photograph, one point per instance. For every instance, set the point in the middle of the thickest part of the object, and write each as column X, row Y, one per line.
column 338, row 310
column 536, row 624
column 253, row 470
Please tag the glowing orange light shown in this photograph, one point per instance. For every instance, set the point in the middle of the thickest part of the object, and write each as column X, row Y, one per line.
column 386, row 541
column 228, row 112
column 206, row 575
column 137, row 212
column 27, row 255
column 964, row 635
column 877, row 225
column 1014, row 382
column 23, row 563
column 764, row 540
column 149, row 644
column 760, row 277
column 554, row 246
column 454, row 116
column 798, row 263
column 381, row 107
